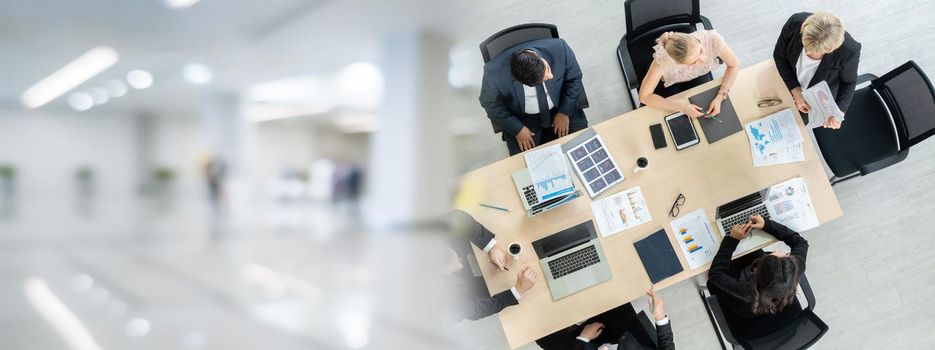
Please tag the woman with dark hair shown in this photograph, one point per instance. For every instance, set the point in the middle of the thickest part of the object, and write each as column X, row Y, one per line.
column 759, row 285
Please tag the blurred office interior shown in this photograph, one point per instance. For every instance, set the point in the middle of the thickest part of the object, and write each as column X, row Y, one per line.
column 220, row 174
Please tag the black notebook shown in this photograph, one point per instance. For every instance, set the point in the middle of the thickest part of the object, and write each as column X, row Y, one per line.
column 715, row 130
column 658, row 257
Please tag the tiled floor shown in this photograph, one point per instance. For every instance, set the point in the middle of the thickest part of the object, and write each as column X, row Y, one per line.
column 870, row 270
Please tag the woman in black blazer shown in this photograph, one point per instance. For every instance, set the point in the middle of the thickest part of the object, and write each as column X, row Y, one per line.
column 812, row 48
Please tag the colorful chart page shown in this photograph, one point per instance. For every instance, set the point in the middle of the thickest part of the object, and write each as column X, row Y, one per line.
column 696, row 238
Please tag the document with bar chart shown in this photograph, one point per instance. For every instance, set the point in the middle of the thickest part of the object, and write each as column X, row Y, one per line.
column 548, row 170
column 696, row 238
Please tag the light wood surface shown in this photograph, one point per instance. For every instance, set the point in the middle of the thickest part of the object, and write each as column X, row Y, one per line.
column 707, row 174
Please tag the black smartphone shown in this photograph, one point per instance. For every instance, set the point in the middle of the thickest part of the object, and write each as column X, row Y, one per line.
column 659, row 138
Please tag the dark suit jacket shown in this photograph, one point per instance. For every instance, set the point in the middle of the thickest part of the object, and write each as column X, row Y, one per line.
column 838, row 68
column 737, row 287
column 503, row 97
column 664, row 341
column 465, row 229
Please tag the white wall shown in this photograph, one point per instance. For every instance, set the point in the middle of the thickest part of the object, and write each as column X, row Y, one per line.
column 48, row 148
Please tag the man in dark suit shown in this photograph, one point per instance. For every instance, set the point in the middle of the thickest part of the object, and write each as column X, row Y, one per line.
column 472, row 301
column 619, row 326
column 531, row 92
column 812, row 48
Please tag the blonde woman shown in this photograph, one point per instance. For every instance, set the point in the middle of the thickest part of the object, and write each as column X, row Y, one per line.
column 681, row 57
column 812, row 48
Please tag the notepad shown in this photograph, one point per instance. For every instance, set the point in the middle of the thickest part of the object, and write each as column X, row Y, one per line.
column 658, row 256
column 715, row 130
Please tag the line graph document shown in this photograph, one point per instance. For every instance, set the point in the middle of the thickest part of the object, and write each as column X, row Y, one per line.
column 548, row 170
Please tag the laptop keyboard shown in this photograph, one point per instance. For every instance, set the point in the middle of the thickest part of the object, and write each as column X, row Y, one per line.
column 530, row 193
column 743, row 217
column 574, row 262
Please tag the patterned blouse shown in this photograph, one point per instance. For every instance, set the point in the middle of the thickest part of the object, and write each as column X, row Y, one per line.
column 674, row 72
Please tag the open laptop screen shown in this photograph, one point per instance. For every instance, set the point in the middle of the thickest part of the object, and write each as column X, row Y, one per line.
column 565, row 239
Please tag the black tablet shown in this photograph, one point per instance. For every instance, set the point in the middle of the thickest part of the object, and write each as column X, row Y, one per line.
column 682, row 130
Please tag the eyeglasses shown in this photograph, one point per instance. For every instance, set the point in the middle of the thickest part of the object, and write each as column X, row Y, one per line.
column 675, row 206
column 769, row 102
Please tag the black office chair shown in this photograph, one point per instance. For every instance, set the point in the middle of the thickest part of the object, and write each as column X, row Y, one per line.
column 515, row 35
column 800, row 331
column 887, row 117
column 646, row 21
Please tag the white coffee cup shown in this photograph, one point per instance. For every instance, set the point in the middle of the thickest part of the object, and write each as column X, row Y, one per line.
column 515, row 249
column 641, row 164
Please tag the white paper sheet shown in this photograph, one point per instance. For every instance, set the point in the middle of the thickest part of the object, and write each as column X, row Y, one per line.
column 549, row 172
column 820, row 99
column 775, row 139
column 620, row 211
column 696, row 237
column 790, row 204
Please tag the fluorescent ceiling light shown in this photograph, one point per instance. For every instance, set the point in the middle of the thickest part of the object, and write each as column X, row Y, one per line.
column 68, row 77
column 139, row 79
column 180, row 4
column 81, row 101
column 197, row 73
column 58, row 315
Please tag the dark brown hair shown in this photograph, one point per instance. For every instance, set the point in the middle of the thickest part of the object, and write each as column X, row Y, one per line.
column 773, row 283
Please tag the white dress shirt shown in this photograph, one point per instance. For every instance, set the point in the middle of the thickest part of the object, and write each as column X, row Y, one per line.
column 805, row 69
column 532, row 101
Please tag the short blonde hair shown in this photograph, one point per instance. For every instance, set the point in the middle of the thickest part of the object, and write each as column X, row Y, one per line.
column 822, row 32
column 676, row 45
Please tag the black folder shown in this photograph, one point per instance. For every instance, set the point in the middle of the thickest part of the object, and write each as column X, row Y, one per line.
column 658, row 256
column 715, row 130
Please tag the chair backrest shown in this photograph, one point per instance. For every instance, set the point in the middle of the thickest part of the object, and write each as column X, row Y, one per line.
column 800, row 333
column 909, row 96
column 644, row 15
column 514, row 35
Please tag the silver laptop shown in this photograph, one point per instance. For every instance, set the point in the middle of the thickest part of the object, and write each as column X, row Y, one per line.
column 527, row 195
column 739, row 211
column 572, row 260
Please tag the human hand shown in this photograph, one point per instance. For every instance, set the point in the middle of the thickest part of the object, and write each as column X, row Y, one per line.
column 525, row 140
column 560, row 124
column 832, row 123
column 740, row 231
column 525, row 280
column 656, row 305
column 715, row 107
column 799, row 100
column 497, row 257
column 757, row 222
column 691, row 110
column 592, row 330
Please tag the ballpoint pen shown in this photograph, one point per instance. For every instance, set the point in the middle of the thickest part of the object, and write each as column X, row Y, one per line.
column 494, row 207
column 715, row 118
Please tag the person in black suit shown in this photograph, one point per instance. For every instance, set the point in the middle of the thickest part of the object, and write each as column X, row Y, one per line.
column 531, row 92
column 812, row 48
column 470, row 288
column 758, row 290
column 618, row 326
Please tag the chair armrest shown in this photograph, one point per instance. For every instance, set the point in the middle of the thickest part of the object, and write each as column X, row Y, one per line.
column 809, row 294
column 716, row 314
column 865, row 78
column 883, row 163
column 626, row 64
column 706, row 23
column 648, row 326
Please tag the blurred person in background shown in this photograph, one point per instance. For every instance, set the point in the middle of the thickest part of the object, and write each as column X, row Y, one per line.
column 215, row 173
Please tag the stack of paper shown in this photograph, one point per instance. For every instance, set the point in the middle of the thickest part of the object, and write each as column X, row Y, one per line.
column 775, row 139
column 549, row 172
column 789, row 204
column 821, row 100
column 696, row 238
column 620, row 211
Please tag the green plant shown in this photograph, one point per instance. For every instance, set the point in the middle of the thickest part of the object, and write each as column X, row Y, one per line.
column 85, row 173
column 163, row 174
column 7, row 171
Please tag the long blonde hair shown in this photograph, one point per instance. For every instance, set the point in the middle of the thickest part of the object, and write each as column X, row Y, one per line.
column 677, row 45
column 822, row 33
